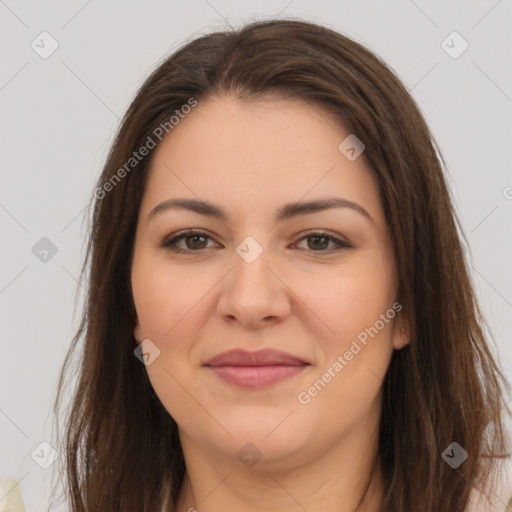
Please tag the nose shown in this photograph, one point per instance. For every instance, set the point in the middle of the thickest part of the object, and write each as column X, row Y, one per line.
column 253, row 294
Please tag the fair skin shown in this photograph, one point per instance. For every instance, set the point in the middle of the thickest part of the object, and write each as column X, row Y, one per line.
column 300, row 296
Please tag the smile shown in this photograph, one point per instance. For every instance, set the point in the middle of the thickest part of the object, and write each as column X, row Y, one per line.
column 255, row 369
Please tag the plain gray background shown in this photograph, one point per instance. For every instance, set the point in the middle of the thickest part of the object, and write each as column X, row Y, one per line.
column 59, row 116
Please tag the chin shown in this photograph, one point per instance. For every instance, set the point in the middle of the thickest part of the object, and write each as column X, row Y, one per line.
column 260, row 441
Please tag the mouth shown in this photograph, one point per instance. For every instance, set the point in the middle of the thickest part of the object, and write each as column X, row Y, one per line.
column 255, row 369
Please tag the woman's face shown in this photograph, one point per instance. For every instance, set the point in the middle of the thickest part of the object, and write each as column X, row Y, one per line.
column 267, row 276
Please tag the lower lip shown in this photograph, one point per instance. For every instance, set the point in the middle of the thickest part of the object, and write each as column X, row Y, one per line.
column 256, row 376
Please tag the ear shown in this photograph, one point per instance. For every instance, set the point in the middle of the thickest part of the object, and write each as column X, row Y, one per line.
column 137, row 332
column 401, row 334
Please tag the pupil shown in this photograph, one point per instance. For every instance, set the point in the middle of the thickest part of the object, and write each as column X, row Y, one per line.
column 195, row 237
column 316, row 238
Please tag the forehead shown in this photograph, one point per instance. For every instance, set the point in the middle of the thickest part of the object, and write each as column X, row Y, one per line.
column 250, row 155
column 228, row 128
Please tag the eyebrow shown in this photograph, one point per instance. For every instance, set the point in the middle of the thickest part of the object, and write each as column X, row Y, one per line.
column 288, row 211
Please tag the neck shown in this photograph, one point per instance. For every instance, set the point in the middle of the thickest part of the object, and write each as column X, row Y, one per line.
column 347, row 478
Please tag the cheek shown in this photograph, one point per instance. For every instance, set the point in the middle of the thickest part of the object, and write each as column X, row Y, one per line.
column 167, row 316
column 358, row 309
column 166, row 298
column 355, row 304
column 348, row 298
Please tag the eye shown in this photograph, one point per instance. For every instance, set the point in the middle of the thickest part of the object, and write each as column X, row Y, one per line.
column 194, row 241
column 319, row 242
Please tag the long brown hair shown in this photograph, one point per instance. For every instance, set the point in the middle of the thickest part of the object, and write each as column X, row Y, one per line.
column 122, row 447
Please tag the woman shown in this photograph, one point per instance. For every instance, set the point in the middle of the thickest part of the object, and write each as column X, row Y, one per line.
column 279, row 316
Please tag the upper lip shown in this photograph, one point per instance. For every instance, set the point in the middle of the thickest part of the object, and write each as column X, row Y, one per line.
column 265, row 357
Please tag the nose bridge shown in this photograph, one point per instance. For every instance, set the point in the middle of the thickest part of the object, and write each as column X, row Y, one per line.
column 252, row 292
column 251, row 267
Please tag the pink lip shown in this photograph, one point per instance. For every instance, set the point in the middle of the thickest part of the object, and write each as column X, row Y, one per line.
column 255, row 369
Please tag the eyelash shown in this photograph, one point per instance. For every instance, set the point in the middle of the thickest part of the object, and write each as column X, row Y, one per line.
column 170, row 243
